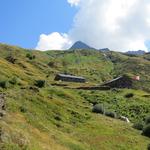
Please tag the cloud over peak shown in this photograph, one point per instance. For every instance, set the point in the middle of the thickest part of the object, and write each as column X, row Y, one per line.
column 118, row 24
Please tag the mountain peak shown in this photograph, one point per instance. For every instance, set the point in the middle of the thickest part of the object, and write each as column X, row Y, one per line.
column 80, row 45
column 104, row 49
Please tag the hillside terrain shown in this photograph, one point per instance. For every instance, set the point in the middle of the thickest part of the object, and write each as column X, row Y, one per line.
column 43, row 114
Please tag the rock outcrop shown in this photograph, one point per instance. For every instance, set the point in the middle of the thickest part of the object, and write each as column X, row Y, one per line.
column 2, row 105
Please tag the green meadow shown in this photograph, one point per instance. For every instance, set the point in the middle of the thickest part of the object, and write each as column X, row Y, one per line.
column 52, row 117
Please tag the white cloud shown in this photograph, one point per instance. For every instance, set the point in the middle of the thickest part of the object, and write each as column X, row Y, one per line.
column 117, row 24
column 74, row 2
column 53, row 41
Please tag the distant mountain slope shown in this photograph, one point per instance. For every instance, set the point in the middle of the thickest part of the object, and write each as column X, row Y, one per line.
column 139, row 52
column 104, row 49
column 80, row 45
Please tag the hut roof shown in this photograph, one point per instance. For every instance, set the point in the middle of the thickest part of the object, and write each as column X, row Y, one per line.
column 123, row 81
column 114, row 80
column 70, row 76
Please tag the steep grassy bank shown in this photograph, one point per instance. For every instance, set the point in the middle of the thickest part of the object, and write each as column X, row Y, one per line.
column 58, row 118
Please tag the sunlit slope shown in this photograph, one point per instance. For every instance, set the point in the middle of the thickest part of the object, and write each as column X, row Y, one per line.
column 55, row 118
column 59, row 118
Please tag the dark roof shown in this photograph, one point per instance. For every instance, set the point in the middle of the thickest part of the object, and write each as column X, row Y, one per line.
column 123, row 81
column 70, row 76
column 114, row 80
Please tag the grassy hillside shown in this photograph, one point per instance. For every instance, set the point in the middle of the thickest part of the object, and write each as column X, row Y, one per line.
column 132, row 65
column 59, row 118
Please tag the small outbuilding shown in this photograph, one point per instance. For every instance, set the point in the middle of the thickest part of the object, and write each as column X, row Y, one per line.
column 120, row 82
column 69, row 78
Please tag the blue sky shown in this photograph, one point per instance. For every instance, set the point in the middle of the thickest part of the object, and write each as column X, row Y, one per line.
column 120, row 25
column 22, row 21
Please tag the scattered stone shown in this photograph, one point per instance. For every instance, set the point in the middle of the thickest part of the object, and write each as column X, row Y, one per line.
column 123, row 118
column 2, row 102
column 2, row 105
column 34, row 88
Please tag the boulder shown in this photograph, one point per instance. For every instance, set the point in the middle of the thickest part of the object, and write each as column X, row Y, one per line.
column 2, row 105
column 123, row 118
column 2, row 102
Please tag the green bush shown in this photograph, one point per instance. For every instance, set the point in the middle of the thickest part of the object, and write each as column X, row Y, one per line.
column 138, row 126
column 148, row 147
column 98, row 108
column 58, row 118
column 4, row 84
column 40, row 83
column 129, row 95
column 23, row 109
column 52, row 64
column 147, row 121
column 146, row 130
column 111, row 114
column 30, row 56
column 11, row 59
column 14, row 80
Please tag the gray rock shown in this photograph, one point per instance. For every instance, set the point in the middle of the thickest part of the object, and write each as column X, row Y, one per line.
column 2, row 102
column 2, row 105
column 123, row 118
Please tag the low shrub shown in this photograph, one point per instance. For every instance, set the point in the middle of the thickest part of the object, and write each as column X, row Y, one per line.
column 58, row 118
column 146, row 130
column 111, row 114
column 138, row 126
column 116, row 90
column 34, row 88
column 30, row 56
column 94, row 103
column 14, row 81
column 148, row 147
column 23, row 109
column 40, row 83
column 147, row 120
column 4, row 84
column 52, row 64
column 129, row 95
column 11, row 59
column 98, row 108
